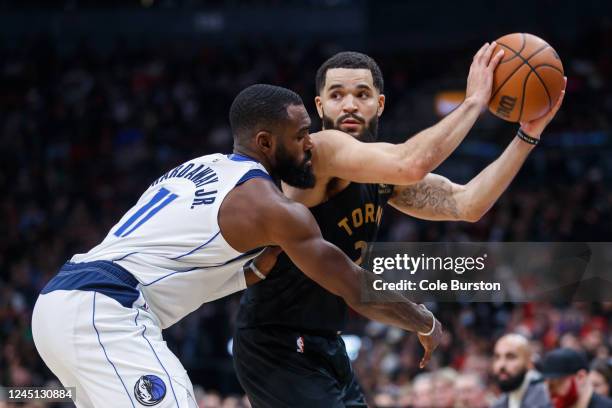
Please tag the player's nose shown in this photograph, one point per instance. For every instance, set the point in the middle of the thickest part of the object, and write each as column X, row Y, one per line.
column 348, row 104
column 307, row 143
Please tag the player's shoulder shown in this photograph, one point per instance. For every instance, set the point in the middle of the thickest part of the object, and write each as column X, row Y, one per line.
column 259, row 192
column 208, row 158
column 261, row 200
column 329, row 137
column 234, row 159
column 326, row 145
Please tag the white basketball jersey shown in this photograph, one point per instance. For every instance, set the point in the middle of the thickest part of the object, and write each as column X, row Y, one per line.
column 171, row 241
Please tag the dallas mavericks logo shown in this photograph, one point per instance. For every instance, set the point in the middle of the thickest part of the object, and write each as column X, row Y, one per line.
column 149, row 390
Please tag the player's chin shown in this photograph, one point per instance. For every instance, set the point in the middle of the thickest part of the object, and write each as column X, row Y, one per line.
column 502, row 377
column 355, row 132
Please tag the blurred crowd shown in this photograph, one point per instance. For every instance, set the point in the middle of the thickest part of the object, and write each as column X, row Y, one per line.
column 83, row 132
column 463, row 373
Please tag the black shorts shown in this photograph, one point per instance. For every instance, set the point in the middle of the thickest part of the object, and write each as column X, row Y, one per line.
column 281, row 368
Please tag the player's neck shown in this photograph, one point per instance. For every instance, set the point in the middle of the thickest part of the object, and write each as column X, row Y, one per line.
column 253, row 155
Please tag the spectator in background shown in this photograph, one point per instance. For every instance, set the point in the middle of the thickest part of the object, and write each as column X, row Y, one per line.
column 444, row 387
column 153, row 105
column 514, row 374
column 422, row 391
column 385, row 400
column 600, row 376
column 567, row 377
column 470, row 392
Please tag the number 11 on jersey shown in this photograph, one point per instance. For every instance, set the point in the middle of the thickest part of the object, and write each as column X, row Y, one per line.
column 146, row 212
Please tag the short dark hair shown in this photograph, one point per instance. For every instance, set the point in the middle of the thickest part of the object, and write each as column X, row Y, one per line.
column 260, row 105
column 604, row 367
column 351, row 60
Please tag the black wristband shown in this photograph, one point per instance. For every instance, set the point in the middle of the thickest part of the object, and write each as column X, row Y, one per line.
column 526, row 138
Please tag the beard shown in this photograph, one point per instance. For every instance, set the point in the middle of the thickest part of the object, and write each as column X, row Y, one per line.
column 369, row 132
column 568, row 399
column 296, row 175
column 513, row 382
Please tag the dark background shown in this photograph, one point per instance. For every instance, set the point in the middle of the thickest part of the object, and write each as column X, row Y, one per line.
column 98, row 98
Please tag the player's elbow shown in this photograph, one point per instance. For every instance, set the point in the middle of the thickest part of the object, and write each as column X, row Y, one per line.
column 473, row 215
column 420, row 164
column 419, row 172
column 410, row 169
column 472, row 218
column 411, row 173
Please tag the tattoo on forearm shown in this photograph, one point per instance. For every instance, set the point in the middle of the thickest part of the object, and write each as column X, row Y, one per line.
column 437, row 198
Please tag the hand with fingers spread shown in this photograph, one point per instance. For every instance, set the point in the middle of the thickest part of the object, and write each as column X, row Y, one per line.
column 480, row 79
column 534, row 128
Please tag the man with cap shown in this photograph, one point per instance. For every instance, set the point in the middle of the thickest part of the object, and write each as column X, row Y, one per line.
column 566, row 373
column 513, row 371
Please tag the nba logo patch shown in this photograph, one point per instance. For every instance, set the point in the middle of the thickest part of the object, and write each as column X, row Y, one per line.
column 385, row 189
column 300, row 344
column 149, row 390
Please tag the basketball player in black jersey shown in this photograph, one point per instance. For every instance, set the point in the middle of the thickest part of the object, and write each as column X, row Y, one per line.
column 287, row 348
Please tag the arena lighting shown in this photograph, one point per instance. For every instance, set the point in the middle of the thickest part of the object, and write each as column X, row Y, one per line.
column 447, row 101
column 352, row 342
column 353, row 345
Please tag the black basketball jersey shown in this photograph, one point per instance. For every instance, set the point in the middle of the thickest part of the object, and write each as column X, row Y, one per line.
column 288, row 297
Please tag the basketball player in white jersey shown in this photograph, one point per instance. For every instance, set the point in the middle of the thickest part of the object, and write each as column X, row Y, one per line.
column 97, row 324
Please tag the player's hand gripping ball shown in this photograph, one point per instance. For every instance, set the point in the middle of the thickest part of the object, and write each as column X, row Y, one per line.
column 528, row 80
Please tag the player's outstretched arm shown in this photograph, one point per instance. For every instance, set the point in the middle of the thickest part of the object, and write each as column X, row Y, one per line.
column 295, row 230
column 269, row 218
column 408, row 162
column 437, row 198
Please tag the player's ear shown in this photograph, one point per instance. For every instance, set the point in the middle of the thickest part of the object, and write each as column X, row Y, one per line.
column 381, row 104
column 319, row 105
column 264, row 141
column 582, row 376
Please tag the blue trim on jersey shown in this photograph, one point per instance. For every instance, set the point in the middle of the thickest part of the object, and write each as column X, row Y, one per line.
column 253, row 174
column 195, row 249
column 125, row 256
column 93, row 321
column 160, row 194
column 151, row 213
column 201, row 267
column 156, row 356
column 241, row 157
column 98, row 276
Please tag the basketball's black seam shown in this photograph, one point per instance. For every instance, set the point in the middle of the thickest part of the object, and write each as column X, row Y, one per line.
column 525, row 61
column 523, row 97
column 544, row 85
column 523, row 45
column 511, row 58
column 536, row 74
column 549, row 66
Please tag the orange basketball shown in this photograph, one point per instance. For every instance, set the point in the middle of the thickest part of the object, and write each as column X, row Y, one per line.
column 528, row 80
